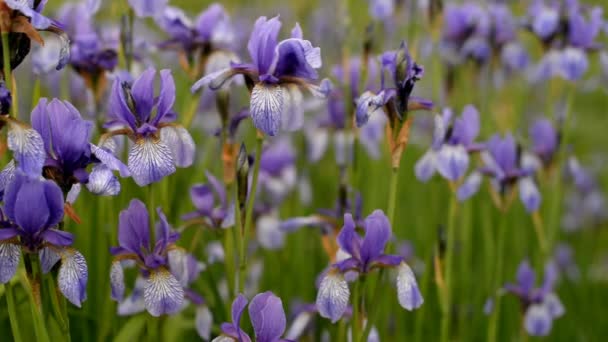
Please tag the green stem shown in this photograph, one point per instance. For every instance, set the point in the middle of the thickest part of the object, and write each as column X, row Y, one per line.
column 191, row 107
column 12, row 312
column 240, row 241
column 357, row 298
column 449, row 269
column 392, row 195
column 6, row 51
column 59, row 307
column 251, row 199
column 374, row 309
column 32, row 284
column 500, row 245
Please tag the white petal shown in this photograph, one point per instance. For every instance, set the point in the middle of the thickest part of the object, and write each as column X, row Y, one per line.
column 73, row 276
column 149, row 161
column 269, row 233
column 74, row 192
column 293, row 117
column 407, row 288
column 267, row 103
column 180, row 143
column 103, row 182
column 163, row 294
column 117, row 281
column 332, row 297
column 203, row 322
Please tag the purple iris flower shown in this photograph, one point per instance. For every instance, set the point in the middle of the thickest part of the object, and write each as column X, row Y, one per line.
column 163, row 289
column 159, row 144
column 26, row 20
column 364, row 254
column 278, row 174
column 381, row 9
column 503, row 165
column 405, row 73
column 39, row 234
column 267, row 318
column 453, row 141
column 66, row 138
column 545, row 141
column 211, row 204
column 277, row 72
column 541, row 305
column 586, row 203
column 147, row 8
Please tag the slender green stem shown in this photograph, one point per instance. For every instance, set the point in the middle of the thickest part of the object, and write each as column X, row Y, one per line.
column 356, row 322
column 392, row 195
column 32, row 284
column 240, row 241
column 449, row 269
column 59, row 306
column 374, row 309
column 12, row 312
column 251, row 199
column 540, row 233
column 8, row 78
column 500, row 246
column 190, row 112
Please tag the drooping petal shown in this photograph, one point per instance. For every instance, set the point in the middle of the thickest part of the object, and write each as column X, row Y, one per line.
column 452, row 161
column 426, row 166
column 180, row 143
column 163, row 294
column 267, row 317
column 267, row 104
column 214, row 80
column 298, row 326
column 296, row 58
column 333, row 296
column 554, row 305
column 150, row 160
column 73, row 276
column 269, row 233
column 529, row 194
column 9, row 261
column 103, row 182
column 28, row 148
column 470, row 186
column 6, row 176
column 293, row 117
column 117, row 281
column 573, row 64
column 58, row 237
column 203, row 322
column 134, row 303
column 109, row 159
column 408, row 293
column 537, row 320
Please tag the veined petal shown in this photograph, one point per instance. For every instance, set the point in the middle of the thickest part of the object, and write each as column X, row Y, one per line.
column 426, row 166
column 73, row 276
column 6, row 176
column 134, row 303
column 267, row 104
column 117, row 281
column 529, row 194
column 180, row 143
column 110, row 160
column 103, row 182
column 28, row 148
column 267, row 317
column 452, row 162
column 9, row 261
column 163, row 294
column 214, row 80
column 408, row 293
column 333, row 296
column 538, row 320
column 150, row 160
column 203, row 322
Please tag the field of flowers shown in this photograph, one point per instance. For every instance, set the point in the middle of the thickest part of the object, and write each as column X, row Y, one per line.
column 341, row 170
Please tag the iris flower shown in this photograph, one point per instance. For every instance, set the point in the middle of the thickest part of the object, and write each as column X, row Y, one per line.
column 364, row 255
column 275, row 75
column 159, row 144
column 33, row 210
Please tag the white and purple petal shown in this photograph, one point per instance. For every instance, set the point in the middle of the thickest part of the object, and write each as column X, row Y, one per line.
column 408, row 293
column 103, row 182
column 529, row 194
column 117, row 281
column 333, row 296
column 452, row 161
column 267, row 317
column 203, row 321
column 180, row 143
column 73, row 276
column 538, row 320
column 9, row 261
column 470, row 186
column 150, row 160
column 267, row 106
column 163, row 294
column 426, row 166
column 28, row 148
column 48, row 259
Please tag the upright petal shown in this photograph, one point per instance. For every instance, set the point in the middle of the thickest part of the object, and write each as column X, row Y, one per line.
column 148, row 8
column 117, row 281
column 143, row 94
column 407, row 288
column 73, row 276
column 9, row 261
column 134, row 227
column 150, row 160
column 267, row 317
column 525, row 277
column 333, row 296
column 267, row 105
column 296, row 58
column 466, row 128
column 348, row 238
column 166, row 98
column 452, row 161
column 377, row 234
column 163, row 294
column 180, row 143
column 262, row 43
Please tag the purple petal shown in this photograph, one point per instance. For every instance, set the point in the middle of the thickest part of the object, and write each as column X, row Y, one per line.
column 73, row 276
column 150, row 161
column 470, row 186
column 180, row 143
column 529, row 194
column 48, row 259
column 269, row 233
column 262, row 43
column 108, row 158
column 573, row 64
column 296, row 58
column 466, row 128
column 267, row 317
column 554, row 305
column 537, row 320
column 103, row 182
column 333, row 296
column 214, row 80
column 28, row 148
column 348, row 238
column 388, row 260
column 238, row 306
column 166, row 98
column 525, row 277
column 452, row 161
column 426, row 166
column 143, row 94
column 9, row 261
column 119, row 110
column 377, row 234
column 133, row 227
column 408, row 293
column 267, row 104
column 58, row 237
column 148, row 8
column 163, row 294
